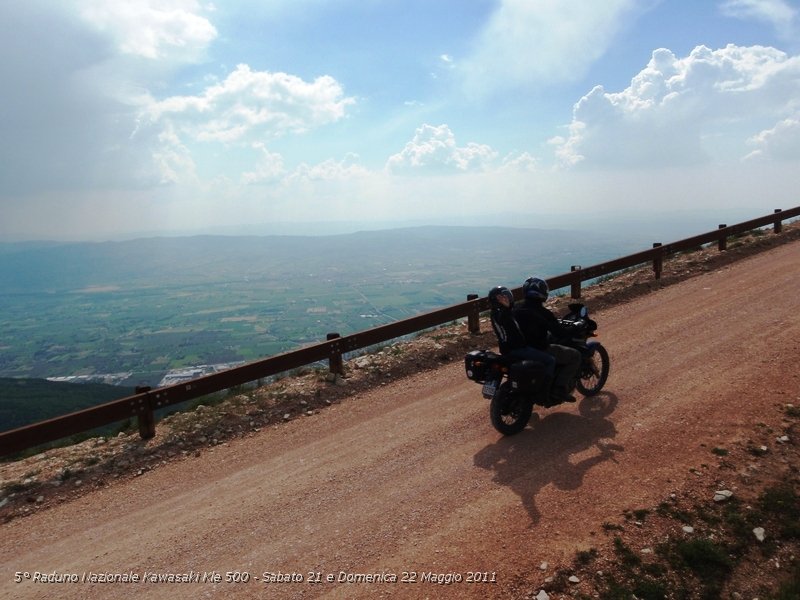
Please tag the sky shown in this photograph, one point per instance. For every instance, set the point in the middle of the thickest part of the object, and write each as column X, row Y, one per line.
column 121, row 118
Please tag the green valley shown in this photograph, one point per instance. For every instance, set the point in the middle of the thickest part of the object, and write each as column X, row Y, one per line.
column 135, row 310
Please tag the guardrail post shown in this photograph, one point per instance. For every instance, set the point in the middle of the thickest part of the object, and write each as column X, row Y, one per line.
column 778, row 227
column 658, row 261
column 722, row 242
column 335, row 361
column 473, row 318
column 575, row 289
column 146, row 417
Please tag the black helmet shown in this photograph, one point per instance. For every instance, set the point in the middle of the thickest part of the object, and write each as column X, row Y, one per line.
column 535, row 289
column 496, row 292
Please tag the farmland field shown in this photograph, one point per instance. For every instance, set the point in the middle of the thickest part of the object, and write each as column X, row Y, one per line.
column 138, row 309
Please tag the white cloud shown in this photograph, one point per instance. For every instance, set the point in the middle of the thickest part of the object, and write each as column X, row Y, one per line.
column 523, row 162
column 79, row 108
column 74, row 84
column 255, row 103
column 542, row 42
column 173, row 160
column 154, row 29
column 782, row 142
column 433, row 149
column 269, row 168
column 683, row 111
column 777, row 13
column 332, row 170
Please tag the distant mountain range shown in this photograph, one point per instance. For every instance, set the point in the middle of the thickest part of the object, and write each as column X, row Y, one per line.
column 61, row 267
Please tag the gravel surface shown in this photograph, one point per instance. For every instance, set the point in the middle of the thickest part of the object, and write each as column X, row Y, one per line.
column 408, row 480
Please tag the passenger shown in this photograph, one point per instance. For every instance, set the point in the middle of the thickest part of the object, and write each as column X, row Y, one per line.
column 509, row 335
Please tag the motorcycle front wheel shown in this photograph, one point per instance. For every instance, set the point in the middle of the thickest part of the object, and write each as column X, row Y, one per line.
column 594, row 372
column 509, row 412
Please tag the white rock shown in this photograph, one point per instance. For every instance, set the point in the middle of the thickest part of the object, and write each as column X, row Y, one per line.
column 723, row 495
column 542, row 595
column 573, row 579
column 688, row 529
column 783, row 439
column 759, row 533
column 647, row 550
column 544, row 566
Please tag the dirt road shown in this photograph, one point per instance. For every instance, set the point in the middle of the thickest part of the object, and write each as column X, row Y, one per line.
column 411, row 481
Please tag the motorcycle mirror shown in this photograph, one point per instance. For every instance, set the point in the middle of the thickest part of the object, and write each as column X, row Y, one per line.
column 584, row 312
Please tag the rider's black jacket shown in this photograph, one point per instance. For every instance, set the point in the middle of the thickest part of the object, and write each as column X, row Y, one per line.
column 509, row 335
column 536, row 321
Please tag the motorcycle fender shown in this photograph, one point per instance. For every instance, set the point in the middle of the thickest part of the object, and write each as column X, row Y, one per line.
column 592, row 347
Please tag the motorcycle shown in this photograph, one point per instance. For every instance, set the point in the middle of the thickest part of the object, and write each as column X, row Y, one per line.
column 514, row 387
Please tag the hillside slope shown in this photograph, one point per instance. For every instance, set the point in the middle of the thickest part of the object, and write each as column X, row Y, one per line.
column 26, row 401
column 410, row 477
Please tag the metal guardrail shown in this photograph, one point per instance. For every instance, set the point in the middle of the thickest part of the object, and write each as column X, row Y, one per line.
column 143, row 404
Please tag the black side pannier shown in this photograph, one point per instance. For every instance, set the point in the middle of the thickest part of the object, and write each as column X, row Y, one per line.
column 478, row 364
column 525, row 374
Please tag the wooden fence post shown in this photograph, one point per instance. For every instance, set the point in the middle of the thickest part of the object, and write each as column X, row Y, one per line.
column 575, row 290
column 778, row 226
column 658, row 261
column 335, row 364
column 473, row 318
column 146, row 417
column 722, row 242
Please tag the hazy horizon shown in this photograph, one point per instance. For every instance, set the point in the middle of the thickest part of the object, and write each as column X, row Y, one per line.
column 622, row 223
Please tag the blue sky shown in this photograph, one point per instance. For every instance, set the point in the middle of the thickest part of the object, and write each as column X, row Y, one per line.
column 123, row 117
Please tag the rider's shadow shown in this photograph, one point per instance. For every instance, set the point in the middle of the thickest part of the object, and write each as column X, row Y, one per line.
column 540, row 454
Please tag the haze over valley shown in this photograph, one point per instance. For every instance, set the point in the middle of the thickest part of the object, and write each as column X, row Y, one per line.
column 129, row 312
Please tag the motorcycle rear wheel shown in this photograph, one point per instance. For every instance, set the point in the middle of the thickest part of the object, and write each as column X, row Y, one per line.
column 509, row 413
column 594, row 372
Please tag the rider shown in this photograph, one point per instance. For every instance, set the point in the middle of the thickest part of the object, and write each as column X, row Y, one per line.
column 509, row 335
column 535, row 321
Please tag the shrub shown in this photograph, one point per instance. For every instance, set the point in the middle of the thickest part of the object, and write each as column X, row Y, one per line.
column 706, row 558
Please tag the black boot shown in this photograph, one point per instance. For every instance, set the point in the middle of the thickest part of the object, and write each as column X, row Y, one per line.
column 546, row 391
column 561, row 394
